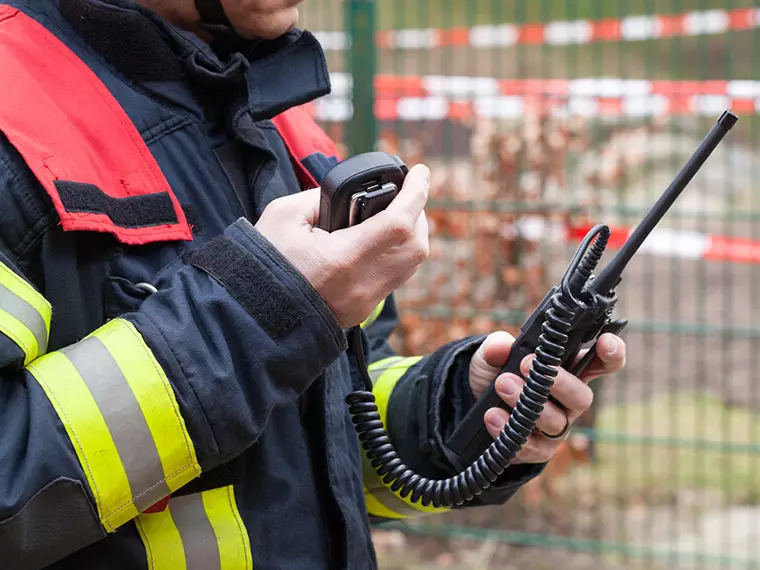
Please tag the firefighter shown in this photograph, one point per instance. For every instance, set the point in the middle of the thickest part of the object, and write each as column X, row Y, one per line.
column 173, row 348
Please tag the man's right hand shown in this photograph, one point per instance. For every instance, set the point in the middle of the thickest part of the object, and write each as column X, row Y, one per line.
column 353, row 269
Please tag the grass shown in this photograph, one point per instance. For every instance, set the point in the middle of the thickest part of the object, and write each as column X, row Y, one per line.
column 676, row 443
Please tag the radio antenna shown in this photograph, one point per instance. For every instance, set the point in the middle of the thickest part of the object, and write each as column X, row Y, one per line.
column 609, row 276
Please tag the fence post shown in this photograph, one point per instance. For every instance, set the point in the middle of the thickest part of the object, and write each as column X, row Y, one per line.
column 361, row 132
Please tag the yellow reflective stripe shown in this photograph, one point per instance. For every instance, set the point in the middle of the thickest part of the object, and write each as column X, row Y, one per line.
column 377, row 368
column 382, row 500
column 89, row 435
column 123, row 420
column 156, row 398
column 203, row 531
column 163, row 544
column 376, row 508
column 25, row 291
column 20, row 334
column 385, row 502
column 231, row 535
column 373, row 316
column 24, row 314
column 386, row 382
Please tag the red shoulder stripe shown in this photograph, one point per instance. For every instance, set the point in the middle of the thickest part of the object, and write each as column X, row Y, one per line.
column 304, row 138
column 74, row 135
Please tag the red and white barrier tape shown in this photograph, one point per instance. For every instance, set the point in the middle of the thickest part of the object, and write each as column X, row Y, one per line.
column 340, row 109
column 683, row 244
column 558, row 33
column 463, row 87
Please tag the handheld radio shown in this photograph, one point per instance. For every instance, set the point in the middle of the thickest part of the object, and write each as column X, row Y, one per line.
column 571, row 317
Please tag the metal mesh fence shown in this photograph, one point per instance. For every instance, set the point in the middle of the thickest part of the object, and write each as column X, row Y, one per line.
column 539, row 119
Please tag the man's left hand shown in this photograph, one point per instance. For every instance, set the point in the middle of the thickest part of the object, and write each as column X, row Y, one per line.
column 573, row 392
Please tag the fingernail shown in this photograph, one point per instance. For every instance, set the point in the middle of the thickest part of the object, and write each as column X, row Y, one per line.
column 495, row 421
column 614, row 348
column 507, row 386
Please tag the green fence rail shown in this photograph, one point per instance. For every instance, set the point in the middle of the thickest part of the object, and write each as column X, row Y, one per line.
column 539, row 118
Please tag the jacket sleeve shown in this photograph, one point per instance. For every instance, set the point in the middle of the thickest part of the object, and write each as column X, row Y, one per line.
column 421, row 399
column 94, row 433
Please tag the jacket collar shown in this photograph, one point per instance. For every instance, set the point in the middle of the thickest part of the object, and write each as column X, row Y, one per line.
column 278, row 74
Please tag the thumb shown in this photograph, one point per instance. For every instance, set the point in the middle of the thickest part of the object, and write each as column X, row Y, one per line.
column 381, row 231
column 487, row 361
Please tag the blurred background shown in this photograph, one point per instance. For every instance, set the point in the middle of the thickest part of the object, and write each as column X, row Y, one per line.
column 540, row 118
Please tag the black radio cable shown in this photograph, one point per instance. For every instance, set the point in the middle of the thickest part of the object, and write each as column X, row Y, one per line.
column 496, row 458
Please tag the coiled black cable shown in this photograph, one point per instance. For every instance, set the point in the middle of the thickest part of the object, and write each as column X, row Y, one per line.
column 522, row 421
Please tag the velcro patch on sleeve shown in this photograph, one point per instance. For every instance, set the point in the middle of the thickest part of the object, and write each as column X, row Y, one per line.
column 251, row 283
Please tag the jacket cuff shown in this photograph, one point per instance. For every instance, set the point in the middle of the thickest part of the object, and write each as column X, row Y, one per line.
column 266, row 284
column 455, row 382
column 439, row 384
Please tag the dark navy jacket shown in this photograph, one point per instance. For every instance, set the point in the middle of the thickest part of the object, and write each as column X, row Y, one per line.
column 219, row 329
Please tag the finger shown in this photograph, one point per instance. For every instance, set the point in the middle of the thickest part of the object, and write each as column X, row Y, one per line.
column 610, row 357
column 413, row 195
column 488, row 360
column 422, row 233
column 551, row 421
column 496, row 419
column 495, row 349
column 537, row 449
column 493, row 353
column 572, row 392
column 398, row 221
column 401, row 279
column 306, row 205
column 403, row 261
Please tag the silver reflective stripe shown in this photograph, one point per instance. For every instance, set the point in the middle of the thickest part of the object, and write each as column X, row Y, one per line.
column 375, row 373
column 198, row 538
column 383, row 494
column 26, row 315
column 124, row 418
